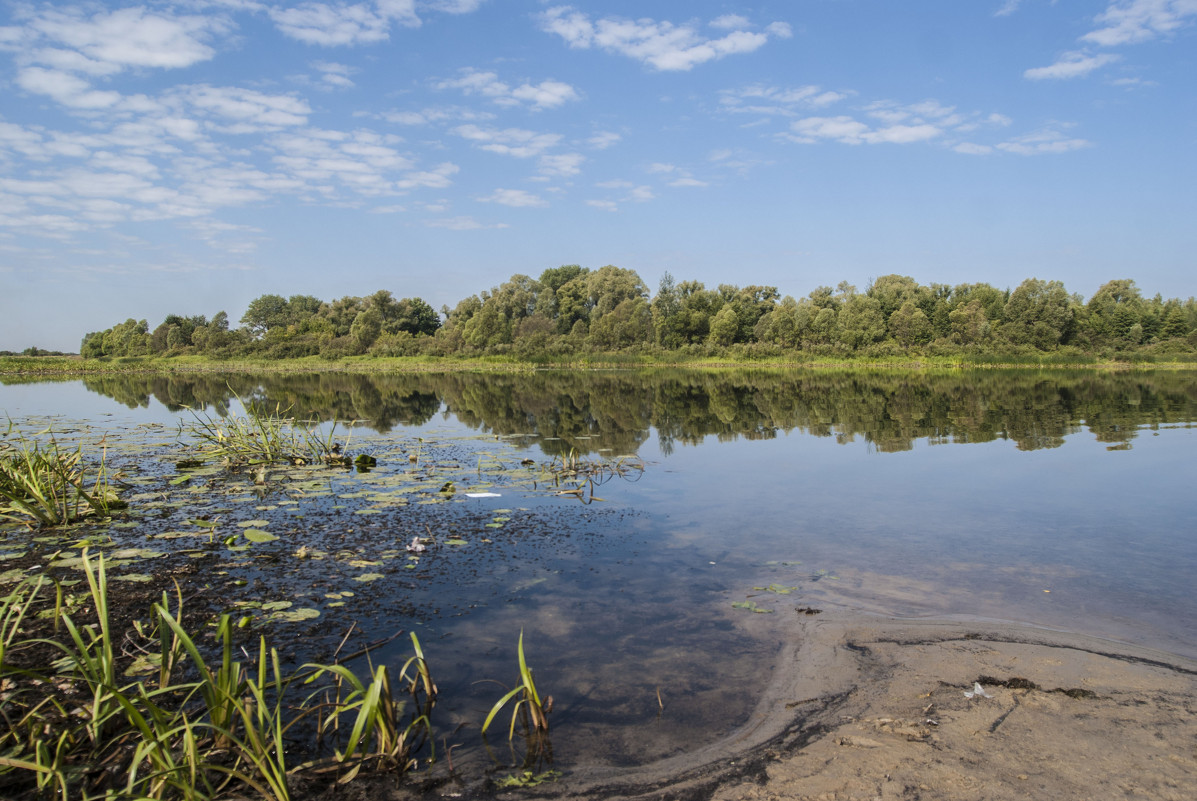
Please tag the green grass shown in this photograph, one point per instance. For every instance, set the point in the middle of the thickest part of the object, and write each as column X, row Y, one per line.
column 264, row 436
column 42, row 484
column 529, row 710
column 193, row 726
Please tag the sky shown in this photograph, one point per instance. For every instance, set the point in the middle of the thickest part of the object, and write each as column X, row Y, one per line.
column 188, row 157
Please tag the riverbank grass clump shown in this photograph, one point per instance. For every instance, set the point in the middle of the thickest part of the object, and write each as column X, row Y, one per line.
column 93, row 712
column 44, row 484
column 265, row 436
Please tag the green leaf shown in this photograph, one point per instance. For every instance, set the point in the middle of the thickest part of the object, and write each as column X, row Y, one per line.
column 258, row 535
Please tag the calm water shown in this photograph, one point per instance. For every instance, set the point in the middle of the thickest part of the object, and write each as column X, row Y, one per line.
column 1058, row 499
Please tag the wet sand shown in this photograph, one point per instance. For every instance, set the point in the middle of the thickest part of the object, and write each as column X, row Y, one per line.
column 865, row 707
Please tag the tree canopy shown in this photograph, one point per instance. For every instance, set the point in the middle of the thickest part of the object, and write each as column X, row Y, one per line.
column 571, row 309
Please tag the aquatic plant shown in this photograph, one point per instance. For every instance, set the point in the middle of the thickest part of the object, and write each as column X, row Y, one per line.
column 378, row 734
column 529, row 709
column 186, row 725
column 266, row 436
column 42, row 484
column 573, row 475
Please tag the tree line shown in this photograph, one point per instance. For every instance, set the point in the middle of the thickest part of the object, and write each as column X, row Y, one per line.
column 572, row 309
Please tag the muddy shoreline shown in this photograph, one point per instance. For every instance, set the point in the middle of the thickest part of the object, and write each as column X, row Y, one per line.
column 865, row 707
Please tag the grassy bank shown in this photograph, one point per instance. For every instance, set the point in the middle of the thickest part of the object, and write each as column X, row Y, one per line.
column 74, row 365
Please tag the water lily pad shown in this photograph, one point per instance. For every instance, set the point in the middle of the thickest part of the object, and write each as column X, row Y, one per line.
column 368, row 577
column 253, row 523
column 751, row 607
column 258, row 535
column 295, row 615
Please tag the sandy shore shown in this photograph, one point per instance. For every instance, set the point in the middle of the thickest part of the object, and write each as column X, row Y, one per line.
column 875, row 708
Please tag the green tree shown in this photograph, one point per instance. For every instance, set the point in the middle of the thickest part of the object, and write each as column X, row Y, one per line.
column 860, row 322
column 366, row 327
column 969, row 324
column 665, row 308
column 724, row 327
column 1038, row 313
column 265, row 313
column 627, row 325
column 908, row 325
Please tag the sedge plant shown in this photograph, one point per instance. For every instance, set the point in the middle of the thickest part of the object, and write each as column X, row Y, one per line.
column 529, row 708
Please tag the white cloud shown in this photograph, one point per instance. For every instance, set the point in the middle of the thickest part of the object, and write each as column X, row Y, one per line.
column 361, row 161
column 1007, row 8
column 432, row 115
column 562, row 165
column 460, row 224
column 510, row 141
column 605, row 205
column 247, row 110
column 853, row 132
column 892, row 123
column 971, row 149
column 453, row 6
column 641, row 194
column 1133, row 21
column 516, row 198
column 688, row 182
column 1049, row 140
column 773, row 101
column 132, row 37
column 65, row 88
column 546, row 94
column 1071, row 65
column 661, row 45
column 730, row 22
column 334, row 75
column 436, row 178
column 333, row 24
column 841, row 129
column 603, row 140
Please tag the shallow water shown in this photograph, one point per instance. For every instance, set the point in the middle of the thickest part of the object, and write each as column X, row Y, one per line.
column 1058, row 499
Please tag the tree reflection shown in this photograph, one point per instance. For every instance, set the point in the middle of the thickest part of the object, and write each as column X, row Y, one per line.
column 571, row 410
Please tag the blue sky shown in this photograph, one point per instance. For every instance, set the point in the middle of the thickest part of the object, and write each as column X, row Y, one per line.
column 187, row 157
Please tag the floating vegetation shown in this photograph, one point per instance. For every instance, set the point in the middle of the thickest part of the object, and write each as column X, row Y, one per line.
column 576, row 476
column 751, row 607
column 528, row 778
column 265, row 436
column 777, row 589
column 42, row 484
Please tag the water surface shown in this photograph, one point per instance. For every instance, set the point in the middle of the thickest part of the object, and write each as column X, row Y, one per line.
column 1060, row 499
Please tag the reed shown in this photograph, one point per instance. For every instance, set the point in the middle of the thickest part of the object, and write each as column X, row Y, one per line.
column 41, row 484
column 265, row 436
column 529, row 708
column 200, row 727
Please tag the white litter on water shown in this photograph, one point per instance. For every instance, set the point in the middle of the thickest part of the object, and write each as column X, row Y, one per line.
column 483, row 495
column 978, row 691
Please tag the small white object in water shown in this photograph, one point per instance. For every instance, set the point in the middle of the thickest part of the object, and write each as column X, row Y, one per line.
column 978, row 691
column 483, row 495
column 416, row 546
